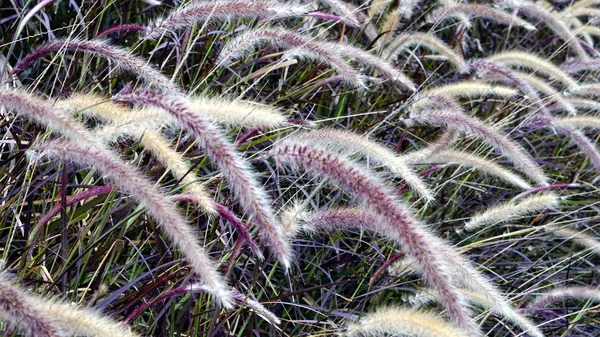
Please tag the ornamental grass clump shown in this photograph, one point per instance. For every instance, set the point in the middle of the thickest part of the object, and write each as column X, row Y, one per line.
column 296, row 219
column 414, row 129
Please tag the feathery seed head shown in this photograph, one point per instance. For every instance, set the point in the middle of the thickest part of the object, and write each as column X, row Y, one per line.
column 339, row 8
column 158, row 205
column 462, row 270
column 406, row 40
column 291, row 219
column 222, row 10
column 478, row 10
column 399, row 222
column 460, row 122
column 511, row 210
column 122, row 58
column 345, row 141
column 563, row 293
column 531, row 61
column 83, row 321
column 19, row 309
column 538, row 11
column 297, row 44
column 242, row 180
column 403, row 321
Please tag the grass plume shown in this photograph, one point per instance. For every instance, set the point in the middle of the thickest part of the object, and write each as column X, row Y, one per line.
column 121, row 57
column 535, row 10
column 463, row 271
column 372, row 61
column 403, row 321
column 197, row 11
column 402, row 225
column 477, row 10
column 512, row 210
column 157, row 204
column 339, row 8
column 486, row 302
column 562, row 294
column 348, row 142
column 83, row 321
column 470, row 89
column 119, row 118
column 458, row 121
column 470, row 161
column 297, row 45
column 578, row 121
column 585, row 145
column 536, row 63
column 20, row 309
column 427, row 40
column 242, row 180
column 589, row 241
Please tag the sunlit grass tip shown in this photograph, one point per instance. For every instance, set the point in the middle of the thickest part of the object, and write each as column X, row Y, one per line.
column 403, row 321
column 511, row 210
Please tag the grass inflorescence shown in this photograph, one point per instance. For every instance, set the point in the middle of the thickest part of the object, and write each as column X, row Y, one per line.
column 355, row 168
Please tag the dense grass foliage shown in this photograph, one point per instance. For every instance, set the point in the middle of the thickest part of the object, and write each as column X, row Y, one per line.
column 299, row 168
